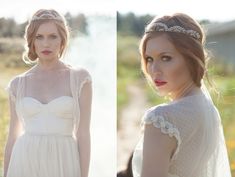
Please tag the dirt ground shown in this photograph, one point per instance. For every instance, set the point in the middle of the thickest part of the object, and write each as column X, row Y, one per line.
column 130, row 130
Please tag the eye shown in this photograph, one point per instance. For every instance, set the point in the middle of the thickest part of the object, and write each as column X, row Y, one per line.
column 149, row 59
column 53, row 36
column 39, row 37
column 166, row 58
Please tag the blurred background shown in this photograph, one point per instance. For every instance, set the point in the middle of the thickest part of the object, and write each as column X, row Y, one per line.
column 92, row 46
column 134, row 94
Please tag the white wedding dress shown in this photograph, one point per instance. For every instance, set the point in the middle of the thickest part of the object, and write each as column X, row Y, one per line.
column 195, row 124
column 47, row 147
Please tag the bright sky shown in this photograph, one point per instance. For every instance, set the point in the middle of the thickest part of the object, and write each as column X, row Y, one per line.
column 216, row 10
column 21, row 10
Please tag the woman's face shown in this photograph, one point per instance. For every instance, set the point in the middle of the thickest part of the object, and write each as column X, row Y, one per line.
column 166, row 66
column 47, row 42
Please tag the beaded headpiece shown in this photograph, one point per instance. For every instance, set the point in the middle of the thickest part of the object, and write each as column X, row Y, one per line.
column 161, row 27
column 47, row 15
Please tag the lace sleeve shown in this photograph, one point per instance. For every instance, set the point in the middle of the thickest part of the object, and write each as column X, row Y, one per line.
column 80, row 77
column 86, row 79
column 11, row 89
column 166, row 127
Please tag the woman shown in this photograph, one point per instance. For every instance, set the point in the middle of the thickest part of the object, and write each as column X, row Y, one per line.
column 182, row 138
column 50, row 107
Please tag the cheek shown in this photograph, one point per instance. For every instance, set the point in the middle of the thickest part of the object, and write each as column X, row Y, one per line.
column 148, row 68
column 36, row 47
column 36, row 44
column 149, row 71
column 178, row 73
column 58, row 44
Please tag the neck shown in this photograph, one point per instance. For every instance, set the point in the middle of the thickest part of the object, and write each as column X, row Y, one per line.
column 49, row 65
column 187, row 89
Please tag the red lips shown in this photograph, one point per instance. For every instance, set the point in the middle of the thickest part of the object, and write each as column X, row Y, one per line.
column 159, row 83
column 46, row 52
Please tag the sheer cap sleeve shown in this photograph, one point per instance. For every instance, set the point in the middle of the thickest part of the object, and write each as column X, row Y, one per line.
column 78, row 78
column 84, row 78
column 165, row 124
column 12, row 88
column 16, row 89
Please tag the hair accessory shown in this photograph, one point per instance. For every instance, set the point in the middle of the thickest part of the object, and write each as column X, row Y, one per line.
column 161, row 27
column 47, row 15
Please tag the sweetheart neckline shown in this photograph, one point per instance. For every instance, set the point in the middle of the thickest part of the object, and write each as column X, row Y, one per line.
column 49, row 101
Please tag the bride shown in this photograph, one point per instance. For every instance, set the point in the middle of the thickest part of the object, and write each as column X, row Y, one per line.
column 182, row 138
column 50, row 107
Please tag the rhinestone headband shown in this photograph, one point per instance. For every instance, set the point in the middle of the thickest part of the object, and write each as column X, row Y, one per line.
column 161, row 27
column 47, row 16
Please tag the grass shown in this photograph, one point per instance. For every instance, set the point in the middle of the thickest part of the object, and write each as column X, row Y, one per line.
column 4, row 117
column 128, row 68
column 10, row 65
column 6, row 75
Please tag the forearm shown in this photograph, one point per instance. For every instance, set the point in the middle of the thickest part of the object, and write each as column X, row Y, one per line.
column 83, row 132
column 14, row 132
column 6, row 161
column 7, row 156
column 84, row 153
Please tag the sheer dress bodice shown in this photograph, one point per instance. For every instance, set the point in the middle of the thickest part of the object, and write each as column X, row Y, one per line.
column 195, row 124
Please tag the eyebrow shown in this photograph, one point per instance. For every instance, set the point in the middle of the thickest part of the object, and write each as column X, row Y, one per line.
column 48, row 34
column 160, row 54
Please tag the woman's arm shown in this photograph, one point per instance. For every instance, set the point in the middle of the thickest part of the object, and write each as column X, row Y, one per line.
column 15, row 129
column 157, row 152
column 83, row 133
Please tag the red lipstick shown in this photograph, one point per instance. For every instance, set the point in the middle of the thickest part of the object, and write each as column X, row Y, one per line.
column 46, row 52
column 159, row 83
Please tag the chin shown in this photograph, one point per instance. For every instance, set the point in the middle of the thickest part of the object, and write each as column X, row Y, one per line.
column 47, row 58
column 161, row 93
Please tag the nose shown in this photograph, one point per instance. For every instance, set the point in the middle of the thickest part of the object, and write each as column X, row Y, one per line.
column 155, row 67
column 46, row 43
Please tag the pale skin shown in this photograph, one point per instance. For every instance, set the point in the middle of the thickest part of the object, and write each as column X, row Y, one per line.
column 48, row 38
column 164, row 63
